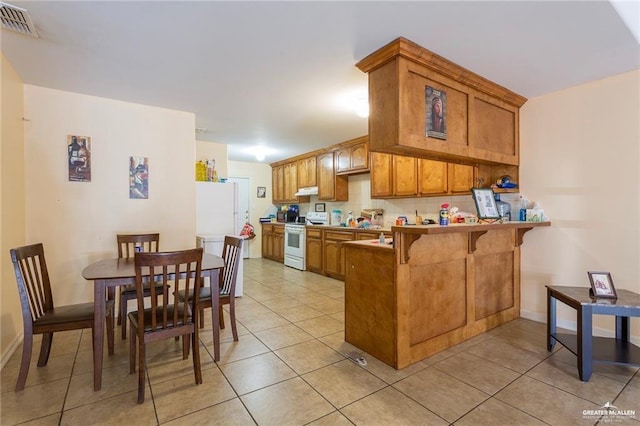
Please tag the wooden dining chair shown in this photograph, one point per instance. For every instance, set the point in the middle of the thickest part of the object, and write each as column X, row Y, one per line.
column 40, row 315
column 165, row 320
column 231, row 254
column 128, row 245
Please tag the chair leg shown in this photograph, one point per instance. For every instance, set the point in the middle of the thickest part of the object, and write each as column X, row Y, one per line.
column 141, row 371
column 221, row 315
column 132, row 350
column 45, row 349
column 185, row 346
column 27, row 347
column 197, row 369
column 201, row 318
column 232, row 315
column 122, row 318
column 110, row 330
column 119, row 306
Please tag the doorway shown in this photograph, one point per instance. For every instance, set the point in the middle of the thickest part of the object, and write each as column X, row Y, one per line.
column 244, row 208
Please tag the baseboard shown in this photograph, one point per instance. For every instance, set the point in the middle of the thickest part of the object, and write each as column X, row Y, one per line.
column 6, row 356
column 573, row 325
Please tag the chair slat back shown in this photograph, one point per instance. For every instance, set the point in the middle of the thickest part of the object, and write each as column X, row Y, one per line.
column 232, row 254
column 166, row 313
column 147, row 243
column 32, row 277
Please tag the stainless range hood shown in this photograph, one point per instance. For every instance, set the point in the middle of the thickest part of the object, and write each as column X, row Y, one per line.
column 310, row 190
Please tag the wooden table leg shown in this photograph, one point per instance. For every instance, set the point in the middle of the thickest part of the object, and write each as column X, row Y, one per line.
column 99, row 302
column 215, row 307
column 551, row 320
column 585, row 342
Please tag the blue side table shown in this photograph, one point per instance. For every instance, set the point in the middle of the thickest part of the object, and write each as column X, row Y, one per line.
column 583, row 344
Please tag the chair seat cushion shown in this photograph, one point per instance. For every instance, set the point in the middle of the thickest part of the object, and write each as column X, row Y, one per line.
column 133, row 317
column 70, row 313
column 131, row 289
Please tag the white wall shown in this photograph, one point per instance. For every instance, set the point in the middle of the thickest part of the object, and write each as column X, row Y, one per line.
column 77, row 221
column 12, row 203
column 580, row 158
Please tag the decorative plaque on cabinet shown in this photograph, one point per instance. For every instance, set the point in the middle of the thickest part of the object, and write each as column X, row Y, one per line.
column 436, row 112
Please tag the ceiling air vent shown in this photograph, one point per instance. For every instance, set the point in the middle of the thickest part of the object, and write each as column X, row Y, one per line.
column 17, row 19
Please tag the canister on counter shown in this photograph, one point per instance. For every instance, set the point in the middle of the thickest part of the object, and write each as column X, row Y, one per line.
column 444, row 214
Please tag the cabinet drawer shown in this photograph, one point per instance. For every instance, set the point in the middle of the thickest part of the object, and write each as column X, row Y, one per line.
column 338, row 236
column 367, row 235
column 314, row 233
column 278, row 229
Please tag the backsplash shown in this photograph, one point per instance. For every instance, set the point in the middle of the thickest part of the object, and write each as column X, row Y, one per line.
column 428, row 207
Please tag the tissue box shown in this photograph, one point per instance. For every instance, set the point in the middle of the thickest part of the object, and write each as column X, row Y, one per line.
column 535, row 215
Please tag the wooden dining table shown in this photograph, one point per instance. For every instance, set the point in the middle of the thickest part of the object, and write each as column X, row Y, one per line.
column 108, row 274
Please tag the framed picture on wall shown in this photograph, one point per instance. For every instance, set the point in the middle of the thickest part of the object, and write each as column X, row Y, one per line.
column 262, row 192
column 139, row 178
column 602, row 285
column 79, row 158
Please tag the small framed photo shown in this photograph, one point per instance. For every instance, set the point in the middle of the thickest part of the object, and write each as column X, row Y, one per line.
column 485, row 203
column 602, row 285
column 262, row 192
column 320, row 207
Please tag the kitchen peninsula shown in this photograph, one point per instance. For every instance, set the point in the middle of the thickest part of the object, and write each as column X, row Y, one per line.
column 434, row 287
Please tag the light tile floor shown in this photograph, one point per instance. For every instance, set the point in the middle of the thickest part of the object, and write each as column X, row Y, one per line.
column 289, row 368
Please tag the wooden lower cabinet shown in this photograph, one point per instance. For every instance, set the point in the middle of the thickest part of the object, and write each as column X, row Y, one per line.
column 432, row 289
column 313, row 254
column 273, row 241
column 334, row 255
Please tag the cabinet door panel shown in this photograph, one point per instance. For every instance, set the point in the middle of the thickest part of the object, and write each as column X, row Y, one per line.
column 326, row 177
column 314, row 255
column 311, row 172
column 343, row 160
column 405, row 178
column 460, row 178
column 333, row 259
column 432, row 177
column 360, row 157
column 381, row 177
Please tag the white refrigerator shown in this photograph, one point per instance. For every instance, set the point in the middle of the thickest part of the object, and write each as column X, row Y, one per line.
column 217, row 216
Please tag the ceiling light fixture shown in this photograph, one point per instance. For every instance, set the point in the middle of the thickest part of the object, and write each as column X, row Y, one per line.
column 259, row 151
column 356, row 100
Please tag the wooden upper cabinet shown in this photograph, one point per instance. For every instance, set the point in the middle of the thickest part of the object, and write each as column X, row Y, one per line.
column 284, row 181
column 307, row 172
column 277, row 174
column 330, row 186
column 353, row 156
column 381, row 175
column 481, row 117
column 405, row 176
column 432, row 177
column 461, row 178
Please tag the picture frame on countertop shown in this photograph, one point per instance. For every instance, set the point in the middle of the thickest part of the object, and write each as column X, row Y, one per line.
column 602, row 285
column 485, row 203
column 262, row 192
column 320, row 207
